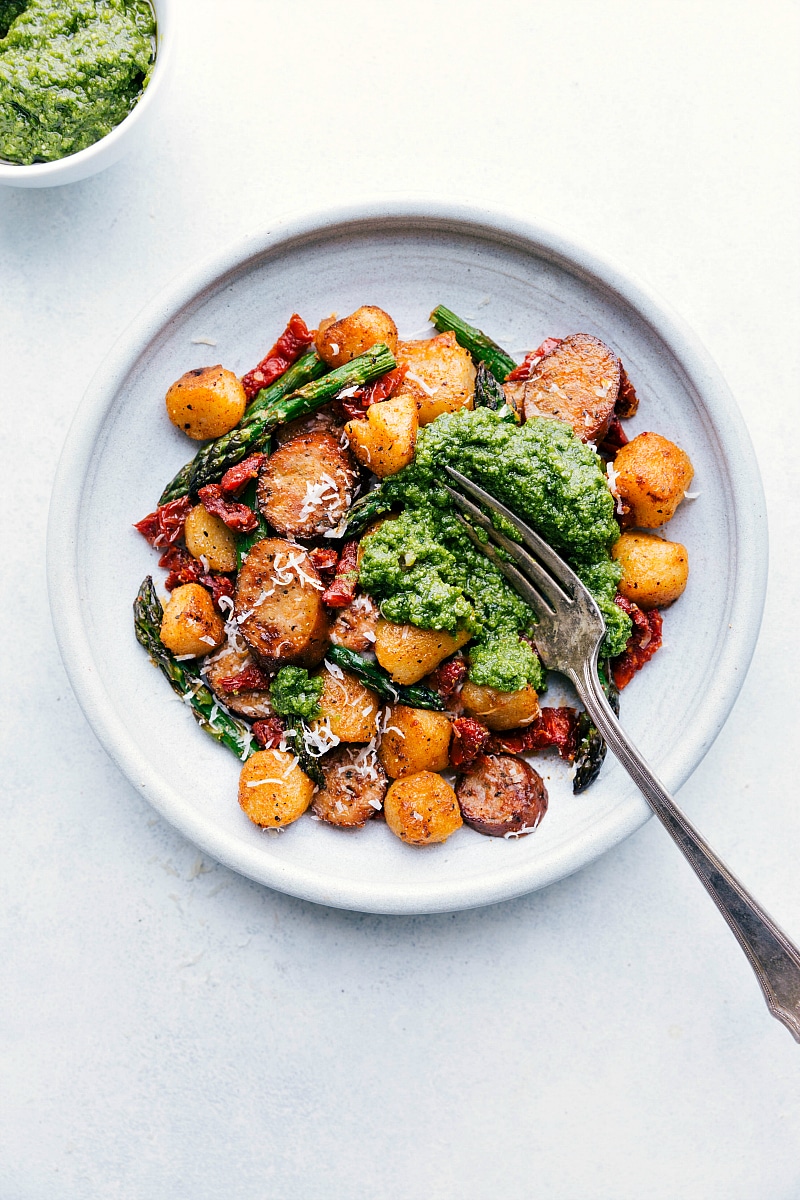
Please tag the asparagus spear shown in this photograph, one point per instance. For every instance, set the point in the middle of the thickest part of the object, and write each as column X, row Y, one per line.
column 475, row 340
column 213, row 460
column 365, row 511
column 184, row 677
column 592, row 749
column 305, row 370
column 374, row 677
column 489, row 394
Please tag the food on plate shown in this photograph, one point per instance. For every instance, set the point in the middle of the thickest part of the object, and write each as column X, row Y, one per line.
column 306, row 486
column 208, row 537
column 354, row 788
column 500, row 710
column 422, row 809
column 502, row 795
column 273, row 790
column 191, row 625
column 440, row 376
column 652, row 474
column 333, row 623
column 206, row 402
column 70, row 71
column 340, row 341
column 654, row 571
column 414, row 739
column 384, row 441
column 409, row 653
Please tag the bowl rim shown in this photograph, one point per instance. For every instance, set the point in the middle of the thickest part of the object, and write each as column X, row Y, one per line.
column 748, row 542
column 80, row 164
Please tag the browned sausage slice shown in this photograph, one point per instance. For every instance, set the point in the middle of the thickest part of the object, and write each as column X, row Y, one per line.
column 228, row 662
column 577, row 383
column 306, row 486
column 278, row 604
column 355, row 784
column 501, row 794
column 355, row 625
column 324, row 419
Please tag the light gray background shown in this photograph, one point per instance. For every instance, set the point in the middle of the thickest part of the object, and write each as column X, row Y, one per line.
column 171, row 1030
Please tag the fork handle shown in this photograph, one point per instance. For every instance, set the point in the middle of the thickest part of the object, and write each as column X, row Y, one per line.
column 775, row 960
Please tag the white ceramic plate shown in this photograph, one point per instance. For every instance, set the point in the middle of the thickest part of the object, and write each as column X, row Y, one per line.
column 519, row 282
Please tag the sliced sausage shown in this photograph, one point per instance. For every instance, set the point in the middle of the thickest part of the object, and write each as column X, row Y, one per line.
column 355, row 784
column 355, row 625
column 278, row 605
column 577, row 383
column 307, row 485
column 226, row 663
column 322, row 419
column 501, row 794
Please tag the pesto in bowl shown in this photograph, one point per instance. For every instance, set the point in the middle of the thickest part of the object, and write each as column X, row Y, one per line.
column 70, row 72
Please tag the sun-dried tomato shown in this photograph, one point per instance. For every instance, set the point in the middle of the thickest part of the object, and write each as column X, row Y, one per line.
column 236, row 478
column 324, row 558
column 448, row 678
column 251, row 679
column 343, row 589
column 532, row 359
column 268, row 733
column 553, row 727
column 237, row 517
column 615, row 439
column 165, row 526
column 469, row 740
column 627, row 400
column 288, row 348
column 644, row 641
column 182, row 567
column 382, row 388
column 219, row 586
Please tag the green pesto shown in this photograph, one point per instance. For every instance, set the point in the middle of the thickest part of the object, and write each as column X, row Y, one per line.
column 425, row 570
column 70, row 71
column 295, row 694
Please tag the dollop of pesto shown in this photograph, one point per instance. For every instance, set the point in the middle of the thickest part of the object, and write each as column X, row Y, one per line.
column 294, row 693
column 70, row 71
column 425, row 571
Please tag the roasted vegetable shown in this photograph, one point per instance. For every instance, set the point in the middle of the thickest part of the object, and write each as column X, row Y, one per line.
column 364, row 512
column 592, row 749
column 480, row 346
column 184, row 677
column 488, row 390
column 378, row 680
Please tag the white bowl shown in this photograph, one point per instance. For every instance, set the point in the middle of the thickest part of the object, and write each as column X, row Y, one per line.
column 520, row 282
column 116, row 143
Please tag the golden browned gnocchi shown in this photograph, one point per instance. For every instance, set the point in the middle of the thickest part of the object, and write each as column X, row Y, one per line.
column 384, row 440
column 409, row 653
column 422, row 809
column 207, row 537
column 500, row 710
column 273, row 791
column 339, row 341
column 654, row 571
column 350, row 709
column 415, row 739
column 191, row 624
column 652, row 473
column 206, row 402
column 441, row 375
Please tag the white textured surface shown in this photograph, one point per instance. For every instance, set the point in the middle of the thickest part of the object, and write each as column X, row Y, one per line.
column 169, row 1029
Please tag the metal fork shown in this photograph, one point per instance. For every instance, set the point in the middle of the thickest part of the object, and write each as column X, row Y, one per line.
column 568, row 635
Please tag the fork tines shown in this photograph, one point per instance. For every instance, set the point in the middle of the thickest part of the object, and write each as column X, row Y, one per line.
column 552, row 588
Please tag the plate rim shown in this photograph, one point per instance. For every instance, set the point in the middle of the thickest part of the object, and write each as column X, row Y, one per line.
column 545, row 241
